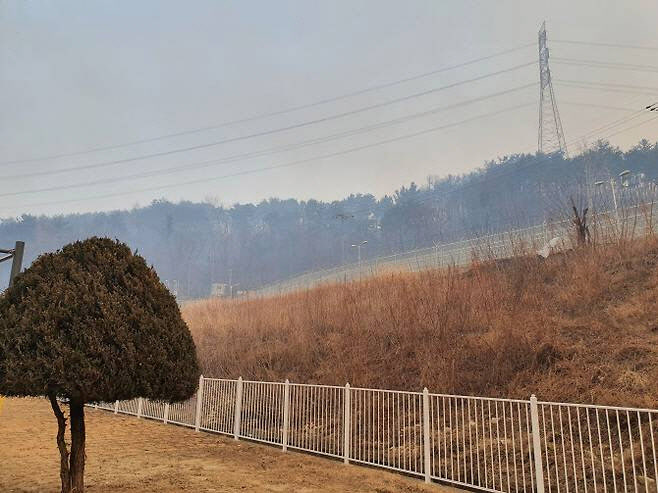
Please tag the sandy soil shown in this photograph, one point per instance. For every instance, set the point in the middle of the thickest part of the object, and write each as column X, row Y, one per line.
column 127, row 454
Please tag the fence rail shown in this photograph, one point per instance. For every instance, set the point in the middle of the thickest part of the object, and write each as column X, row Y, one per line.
column 629, row 221
column 497, row 445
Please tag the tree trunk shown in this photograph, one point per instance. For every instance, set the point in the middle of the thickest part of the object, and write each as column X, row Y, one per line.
column 77, row 445
column 64, row 472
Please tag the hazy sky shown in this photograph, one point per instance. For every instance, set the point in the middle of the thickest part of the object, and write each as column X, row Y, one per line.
column 86, row 74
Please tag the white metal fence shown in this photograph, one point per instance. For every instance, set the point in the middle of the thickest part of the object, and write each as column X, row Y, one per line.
column 498, row 445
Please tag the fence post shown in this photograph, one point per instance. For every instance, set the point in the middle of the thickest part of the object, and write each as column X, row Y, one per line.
column 199, row 403
column 536, row 444
column 348, row 425
column 116, row 407
column 286, row 414
column 426, row 436
column 238, row 409
column 165, row 418
column 140, row 403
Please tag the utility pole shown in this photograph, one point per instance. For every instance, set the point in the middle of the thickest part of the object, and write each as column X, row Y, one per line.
column 16, row 254
column 551, row 136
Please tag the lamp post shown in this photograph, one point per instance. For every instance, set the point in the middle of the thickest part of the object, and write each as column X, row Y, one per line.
column 613, row 189
column 623, row 175
column 358, row 249
column 437, row 245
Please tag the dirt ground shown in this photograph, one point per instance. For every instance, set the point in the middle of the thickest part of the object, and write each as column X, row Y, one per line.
column 127, row 454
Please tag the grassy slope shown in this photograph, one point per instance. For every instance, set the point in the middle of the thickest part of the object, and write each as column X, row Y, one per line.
column 580, row 327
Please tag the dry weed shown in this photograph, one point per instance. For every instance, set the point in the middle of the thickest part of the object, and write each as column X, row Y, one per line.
column 579, row 326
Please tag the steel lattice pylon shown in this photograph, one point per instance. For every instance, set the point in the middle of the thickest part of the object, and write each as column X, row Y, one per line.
column 551, row 135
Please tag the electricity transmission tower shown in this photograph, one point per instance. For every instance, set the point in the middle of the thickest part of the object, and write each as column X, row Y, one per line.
column 551, row 135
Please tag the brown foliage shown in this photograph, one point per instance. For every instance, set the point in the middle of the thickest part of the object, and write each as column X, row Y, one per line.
column 576, row 327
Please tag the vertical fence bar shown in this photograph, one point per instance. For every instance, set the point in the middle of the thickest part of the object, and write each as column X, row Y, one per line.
column 536, row 445
column 383, row 428
column 199, row 403
column 238, row 409
column 286, row 414
column 426, row 435
column 347, row 424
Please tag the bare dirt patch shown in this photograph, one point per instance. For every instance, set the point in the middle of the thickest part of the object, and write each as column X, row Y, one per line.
column 127, row 454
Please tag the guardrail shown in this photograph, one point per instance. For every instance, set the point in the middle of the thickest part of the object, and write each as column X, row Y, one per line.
column 491, row 444
column 633, row 220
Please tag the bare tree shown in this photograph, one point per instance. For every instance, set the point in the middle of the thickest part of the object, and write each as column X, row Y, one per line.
column 580, row 223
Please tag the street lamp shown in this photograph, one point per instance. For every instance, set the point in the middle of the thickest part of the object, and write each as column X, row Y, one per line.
column 437, row 245
column 624, row 183
column 614, row 194
column 623, row 175
column 358, row 248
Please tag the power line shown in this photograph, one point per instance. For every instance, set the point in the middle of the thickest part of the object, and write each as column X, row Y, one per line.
column 613, row 124
column 607, row 65
column 272, row 113
column 318, row 120
column 607, row 84
column 338, row 153
column 609, row 45
column 616, row 90
column 267, row 168
column 636, row 102
column 628, row 103
column 286, row 147
column 607, row 89
column 632, row 127
column 594, row 105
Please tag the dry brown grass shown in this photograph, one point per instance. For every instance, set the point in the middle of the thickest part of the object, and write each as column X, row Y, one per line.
column 129, row 455
column 580, row 327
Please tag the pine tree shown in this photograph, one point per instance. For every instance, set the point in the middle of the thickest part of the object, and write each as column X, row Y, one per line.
column 92, row 323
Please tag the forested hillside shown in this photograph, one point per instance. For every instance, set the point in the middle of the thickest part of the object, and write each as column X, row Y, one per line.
column 201, row 243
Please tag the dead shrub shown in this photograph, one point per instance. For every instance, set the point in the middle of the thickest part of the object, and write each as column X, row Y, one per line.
column 558, row 327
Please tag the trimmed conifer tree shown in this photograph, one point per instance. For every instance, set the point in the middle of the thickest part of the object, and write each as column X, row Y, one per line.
column 92, row 323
